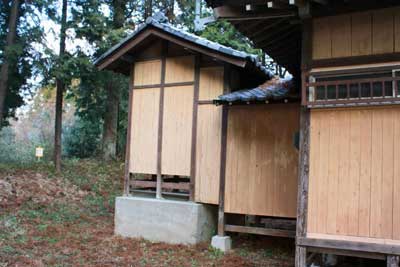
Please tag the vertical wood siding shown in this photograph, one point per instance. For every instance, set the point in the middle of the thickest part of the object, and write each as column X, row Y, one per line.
column 179, row 69
column 144, row 124
column 211, row 83
column 208, row 153
column 208, row 144
column 262, row 162
column 177, row 130
column 147, row 72
column 354, row 173
column 357, row 34
column 145, row 109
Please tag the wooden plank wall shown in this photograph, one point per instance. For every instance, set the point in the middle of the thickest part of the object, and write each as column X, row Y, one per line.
column 179, row 69
column 177, row 113
column 208, row 144
column 145, row 112
column 357, row 34
column 262, row 162
column 177, row 130
column 147, row 72
column 354, row 174
column 144, row 131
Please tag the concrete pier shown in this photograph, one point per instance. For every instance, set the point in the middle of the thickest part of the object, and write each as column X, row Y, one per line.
column 161, row 220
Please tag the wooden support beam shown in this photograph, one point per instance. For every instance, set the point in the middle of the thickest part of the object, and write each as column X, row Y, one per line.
column 151, row 86
column 194, row 127
column 277, row 4
column 261, row 29
column 222, row 173
column 322, row 2
column 108, row 60
column 346, row 253
column 392, row 261
column 388, row 249
column 164, row 53
column 241, row 2
column 304, row 154
column 275, row 223
column 304, row 7
column 301, row 257
column 232, row 14
column 165, row 185
column 302, row 195
column 127, row 174
column 260, row 231
column 253, row 27
column 221, row 206
column 278, row 38
column 298, row 3
column 276, row 48
column 274, row 32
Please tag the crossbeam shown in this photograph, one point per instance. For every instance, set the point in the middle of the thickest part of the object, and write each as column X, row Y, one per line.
column 235, row 13
column 260, row 231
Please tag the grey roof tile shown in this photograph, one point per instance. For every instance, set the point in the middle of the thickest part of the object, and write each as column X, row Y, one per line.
column 275, row 89
column 159, row 21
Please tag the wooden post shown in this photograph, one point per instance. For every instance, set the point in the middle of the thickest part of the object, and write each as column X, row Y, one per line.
column 194, row 128
column 302, row 194
column 392, row 261
column 224, row 132
column 128, row 136
column 304, row 151
column 221, row 213
column 160, row 119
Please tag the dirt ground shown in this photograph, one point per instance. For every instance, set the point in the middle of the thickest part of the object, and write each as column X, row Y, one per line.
column 67, row 220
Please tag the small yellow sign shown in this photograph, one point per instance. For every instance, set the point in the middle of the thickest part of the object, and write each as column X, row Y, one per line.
column 39, row 152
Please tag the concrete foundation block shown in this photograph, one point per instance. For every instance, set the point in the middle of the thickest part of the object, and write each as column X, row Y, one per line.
column 161, row 220
column 223, row 243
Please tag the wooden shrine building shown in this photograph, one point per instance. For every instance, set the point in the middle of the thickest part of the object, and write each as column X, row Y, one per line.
column 347, row 55
column 211, row 124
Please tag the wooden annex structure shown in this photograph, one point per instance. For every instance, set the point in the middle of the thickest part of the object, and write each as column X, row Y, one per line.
column 347, row 56
column 238, row 155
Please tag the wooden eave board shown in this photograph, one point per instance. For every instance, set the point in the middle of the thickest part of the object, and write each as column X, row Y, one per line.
column 130, row 45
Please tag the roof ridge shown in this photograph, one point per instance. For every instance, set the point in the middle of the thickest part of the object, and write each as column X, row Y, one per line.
column 159, row 21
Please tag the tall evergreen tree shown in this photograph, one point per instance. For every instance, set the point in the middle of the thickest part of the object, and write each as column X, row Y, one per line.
column 102, row 90
column 60, row 90
column 4, row 72
column 19, row 57
column 110, row 126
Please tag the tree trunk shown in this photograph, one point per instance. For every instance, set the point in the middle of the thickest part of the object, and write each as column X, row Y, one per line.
column 112, row 103
column 110, row 122
column 60, row 92
column 169, row 9
column 12, row 29
column 148, row 8
column 119, row 7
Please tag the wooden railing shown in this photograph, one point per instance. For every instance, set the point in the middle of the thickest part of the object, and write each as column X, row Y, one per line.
column 374, row 90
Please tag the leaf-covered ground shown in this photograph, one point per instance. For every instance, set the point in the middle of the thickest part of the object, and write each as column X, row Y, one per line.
column 67, row 220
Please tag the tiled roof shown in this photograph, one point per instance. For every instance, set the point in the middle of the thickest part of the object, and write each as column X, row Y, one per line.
column 159, row 21
column 274, row 89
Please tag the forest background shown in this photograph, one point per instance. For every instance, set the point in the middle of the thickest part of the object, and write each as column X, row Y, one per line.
column 47, row 50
